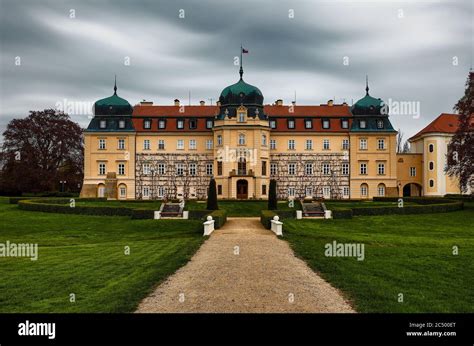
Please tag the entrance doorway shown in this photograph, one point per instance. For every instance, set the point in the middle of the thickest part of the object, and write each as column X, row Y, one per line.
column 242, row 189
column 412, row 190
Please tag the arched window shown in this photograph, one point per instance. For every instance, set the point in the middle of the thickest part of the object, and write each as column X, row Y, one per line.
column 381, row 190
column 101, row 191
column 264, row 140
column 242, row 166
column 364, row 190
column 431, row 165
column 241, row 139
column 122, row 191
column 431, row 183
column 431, row 148
column 241, row 117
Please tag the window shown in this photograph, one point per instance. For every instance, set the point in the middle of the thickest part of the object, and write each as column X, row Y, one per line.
column 161, row 144
column 292, row 168
column 209, row 168
column 101, row 144
column 219, row 167
column 291, row 144
column 381, row 190
column 264, row 140
column 326, row 169
column 146, row 192
column 381, row 144
column 309, row 144
column 326, row 192
column 219, row 140
column 273, row 144
column 209, row 124
column 325, row 123
column 219, row 189
column 146, row 144
column 345, row 144
column 162, row 123
column 103, row 124
column 121, row 124
column 325, row 144
column 273, row 168
column 161, row 168
column 102, row 168
column 412, row 171
column 241, row 118
column 291, row 192
column 363, row 168
column 431, row 183
column 180, row 169
column 192, row 144
column 180, row 124
column 241, row 139
column 147, row 124
column 345, row 123
column 264, row 189
column 192, row 123
column 381, row 168
column 380, row 124
column 345, row 168
column 180, row 144
column 121, row 169
column 291, row 123
column 364, row 190
column 193, row 168
column 362, row 124
column 264, row 168
column 273, row 124
column 431, row 148
column 308, row 169
column 363, row 144
column 146, row 168
column 242, row 166
column 209, row 144
column 121, row 144
column 161, row 191
column 345, row 191
column 308, row 124
column 122, row 191
column 309, row 191
column 431, row 164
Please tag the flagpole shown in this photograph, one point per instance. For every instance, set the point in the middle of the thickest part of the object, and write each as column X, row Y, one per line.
column 241, row 69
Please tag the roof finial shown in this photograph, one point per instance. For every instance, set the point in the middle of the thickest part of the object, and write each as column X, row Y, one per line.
column 241, row 72
column 367, row 84
column 115, row 85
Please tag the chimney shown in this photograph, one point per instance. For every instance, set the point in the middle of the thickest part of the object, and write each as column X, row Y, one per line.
column 279, row 102
column 330, row 102
column 176, row 102
column 293, row 103
column 146, row 103
column 218, row 103
column 344, row 103
column 202, row 103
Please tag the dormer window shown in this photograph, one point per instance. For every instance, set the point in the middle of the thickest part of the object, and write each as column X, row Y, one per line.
column 308, row 124
column 180, row 124
column 241, row 117
column 325, row 123
column 147, row 124
column 103, row 124
column 162, row 124
column 209, row 124
column 362, row 124
column 291, row 123
column 273, row 124
column 193, row 123
column 380, row 124
column 121, row 124
column 345, row 123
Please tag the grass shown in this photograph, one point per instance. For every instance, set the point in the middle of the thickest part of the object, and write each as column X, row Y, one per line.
column 85, row 255
column 408, row 254
column 364, row 204
column 247, row 208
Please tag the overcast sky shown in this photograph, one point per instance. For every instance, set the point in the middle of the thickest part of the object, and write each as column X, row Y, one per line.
column 417, row 51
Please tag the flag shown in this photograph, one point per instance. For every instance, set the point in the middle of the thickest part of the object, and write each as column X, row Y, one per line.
column 244, row 50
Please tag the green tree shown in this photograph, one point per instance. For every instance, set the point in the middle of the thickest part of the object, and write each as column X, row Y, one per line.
column 460, row 157
column 272, row 196
column 212, row 196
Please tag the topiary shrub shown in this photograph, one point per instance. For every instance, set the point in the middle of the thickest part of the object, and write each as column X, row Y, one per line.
column 266, row 216
column 212, row 196
column 272, row 196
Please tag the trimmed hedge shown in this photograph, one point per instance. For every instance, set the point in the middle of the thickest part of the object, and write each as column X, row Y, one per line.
column 266, row 216
column 410, row 209
column 220, row 216
column 143, row 214
column 341, row 213
column 48, row 207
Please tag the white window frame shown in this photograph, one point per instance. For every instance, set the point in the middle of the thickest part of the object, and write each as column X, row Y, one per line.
column 381, row 144
column 102, row 144
column 381, row 190
column 264, row 140
column 193, row 168
column 180, row 124
column 147, row 124
column 209, row 168
column 326, row 168
column 180, row 169
column 291, row 144
column 219, row 139
column 146, row 144
column 363, row 168
column 161, row 144
column 364, row 190
column 412, row 171
column 192, row 144
column 103, row 124
column 102, row 168
column 309, row 144
column 381, row 168
column 121, row 144
column 180, row 144
column 272, row 143
column 121, row 124
column 121, row 168
column 161, row 168
column 162, row 124
column 345, row 168
column 273, row 168
column 291, row 191
column 345, row 144
column 345, row 191
column 292, row 168
column 363, row 144
column 308, row 169
column 241, row 139
column 209, row 143
column 325, row 144
column 146, row 192
column 146, row 168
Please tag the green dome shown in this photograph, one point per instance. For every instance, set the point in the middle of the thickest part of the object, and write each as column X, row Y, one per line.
column 113, row 100
column 241, row 93
column 368, row 105
column 112, row 105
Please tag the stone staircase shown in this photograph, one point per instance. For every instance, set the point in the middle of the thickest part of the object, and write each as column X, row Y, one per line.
column 313, row 209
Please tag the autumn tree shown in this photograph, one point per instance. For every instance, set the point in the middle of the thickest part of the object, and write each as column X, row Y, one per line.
column 460, row 157
column 41, row 150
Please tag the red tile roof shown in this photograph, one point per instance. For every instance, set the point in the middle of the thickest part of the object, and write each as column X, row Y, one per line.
column 308, row 111
column 444, row 123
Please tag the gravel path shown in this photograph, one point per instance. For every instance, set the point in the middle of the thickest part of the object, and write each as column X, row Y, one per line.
column 243, row 267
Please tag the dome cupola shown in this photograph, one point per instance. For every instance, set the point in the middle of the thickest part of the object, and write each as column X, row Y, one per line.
column 369, row 105
column 113, row 105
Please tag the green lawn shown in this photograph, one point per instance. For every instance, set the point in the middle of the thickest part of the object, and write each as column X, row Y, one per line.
column 242, row 208
column 364, row 204
column 408, row 254
column 85, row 255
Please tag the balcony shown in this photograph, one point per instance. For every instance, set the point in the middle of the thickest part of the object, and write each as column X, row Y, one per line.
column 241, row 173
